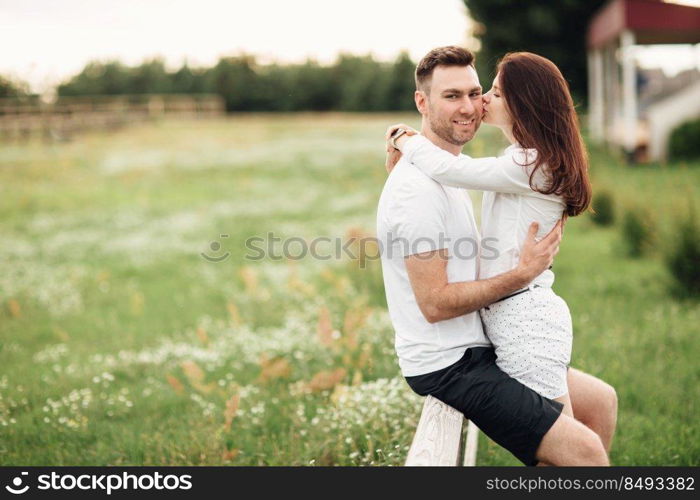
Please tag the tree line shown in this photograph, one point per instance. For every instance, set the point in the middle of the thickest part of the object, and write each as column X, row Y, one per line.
column 352, row 83
column 556, row 30
column 12, row 88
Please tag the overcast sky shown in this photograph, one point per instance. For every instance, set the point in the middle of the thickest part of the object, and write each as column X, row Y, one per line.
column 44, row 41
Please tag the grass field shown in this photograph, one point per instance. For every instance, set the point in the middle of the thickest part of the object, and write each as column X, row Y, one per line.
column 120, row 344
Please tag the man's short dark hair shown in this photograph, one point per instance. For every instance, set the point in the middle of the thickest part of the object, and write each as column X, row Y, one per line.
column 441, row 56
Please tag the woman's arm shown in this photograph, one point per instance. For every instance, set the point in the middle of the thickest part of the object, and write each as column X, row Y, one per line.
column 393, row 155
column 504, row 174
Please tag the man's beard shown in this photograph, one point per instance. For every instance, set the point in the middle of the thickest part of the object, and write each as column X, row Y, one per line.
column 445, row 130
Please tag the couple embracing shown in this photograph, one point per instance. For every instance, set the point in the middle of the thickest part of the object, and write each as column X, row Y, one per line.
column 485, row 333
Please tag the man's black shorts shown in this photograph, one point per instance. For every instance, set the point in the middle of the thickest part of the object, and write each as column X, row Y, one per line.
column 510, row 413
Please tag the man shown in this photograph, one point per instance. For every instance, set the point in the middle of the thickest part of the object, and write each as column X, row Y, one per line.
column 433, row 294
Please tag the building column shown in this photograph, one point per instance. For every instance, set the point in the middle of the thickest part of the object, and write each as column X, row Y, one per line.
column 629, row 92
column 596, row 100
column 611, row 109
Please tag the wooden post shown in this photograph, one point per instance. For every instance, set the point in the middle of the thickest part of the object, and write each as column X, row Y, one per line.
column 471, row 444
column 437, row 439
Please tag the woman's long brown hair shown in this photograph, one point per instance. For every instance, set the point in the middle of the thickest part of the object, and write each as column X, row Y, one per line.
column 538, row 100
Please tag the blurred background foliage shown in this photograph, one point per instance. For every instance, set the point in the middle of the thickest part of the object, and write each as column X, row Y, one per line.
column 12, row 88
column 556, row 30
column 353, row 82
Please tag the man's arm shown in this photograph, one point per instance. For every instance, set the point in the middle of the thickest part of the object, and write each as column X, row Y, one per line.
column 439, row 300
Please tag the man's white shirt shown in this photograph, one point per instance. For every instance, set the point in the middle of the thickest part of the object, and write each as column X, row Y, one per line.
column 415, row 215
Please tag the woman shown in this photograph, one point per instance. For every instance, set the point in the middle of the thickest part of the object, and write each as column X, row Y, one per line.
column 541, row 177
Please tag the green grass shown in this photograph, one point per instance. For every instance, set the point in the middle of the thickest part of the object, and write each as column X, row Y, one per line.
column 120, row 344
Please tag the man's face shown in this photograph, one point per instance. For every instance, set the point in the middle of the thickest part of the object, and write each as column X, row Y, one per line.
column 454, row 105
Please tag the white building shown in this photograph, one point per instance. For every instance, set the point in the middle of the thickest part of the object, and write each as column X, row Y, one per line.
column 615, row 116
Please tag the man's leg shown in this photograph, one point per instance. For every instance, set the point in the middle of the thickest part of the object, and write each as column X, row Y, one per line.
column 594, row 403
column 570, row 443
column 566, row 401
column 524, row 422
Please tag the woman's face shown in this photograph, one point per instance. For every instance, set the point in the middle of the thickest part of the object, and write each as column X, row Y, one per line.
column 495, row 112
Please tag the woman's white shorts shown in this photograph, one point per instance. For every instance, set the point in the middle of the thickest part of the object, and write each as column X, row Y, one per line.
column 532, row 335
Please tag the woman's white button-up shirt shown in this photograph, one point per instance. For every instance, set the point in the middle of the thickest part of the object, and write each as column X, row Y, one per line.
column 509, row 204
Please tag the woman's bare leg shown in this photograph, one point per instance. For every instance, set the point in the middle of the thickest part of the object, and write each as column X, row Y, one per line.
column 566, row 401
column 595, row 404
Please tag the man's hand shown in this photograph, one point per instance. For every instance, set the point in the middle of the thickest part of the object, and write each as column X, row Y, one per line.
column 537, row 256
column 439, row 299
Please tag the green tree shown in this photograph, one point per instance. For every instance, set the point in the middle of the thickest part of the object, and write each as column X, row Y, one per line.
column 402, row 84
column 188, row 81
column 151, row 77
column 98, row 78
column 310, row 87
column 9, row 88
column 362, row 82
column 556, row 30
column 235, row 79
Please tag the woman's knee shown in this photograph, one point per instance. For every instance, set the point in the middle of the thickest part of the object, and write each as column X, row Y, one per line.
column 611, row 398
column 594, row 401
column 606, row 415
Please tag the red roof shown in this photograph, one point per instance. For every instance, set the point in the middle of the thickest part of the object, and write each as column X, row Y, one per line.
column 652, row 21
